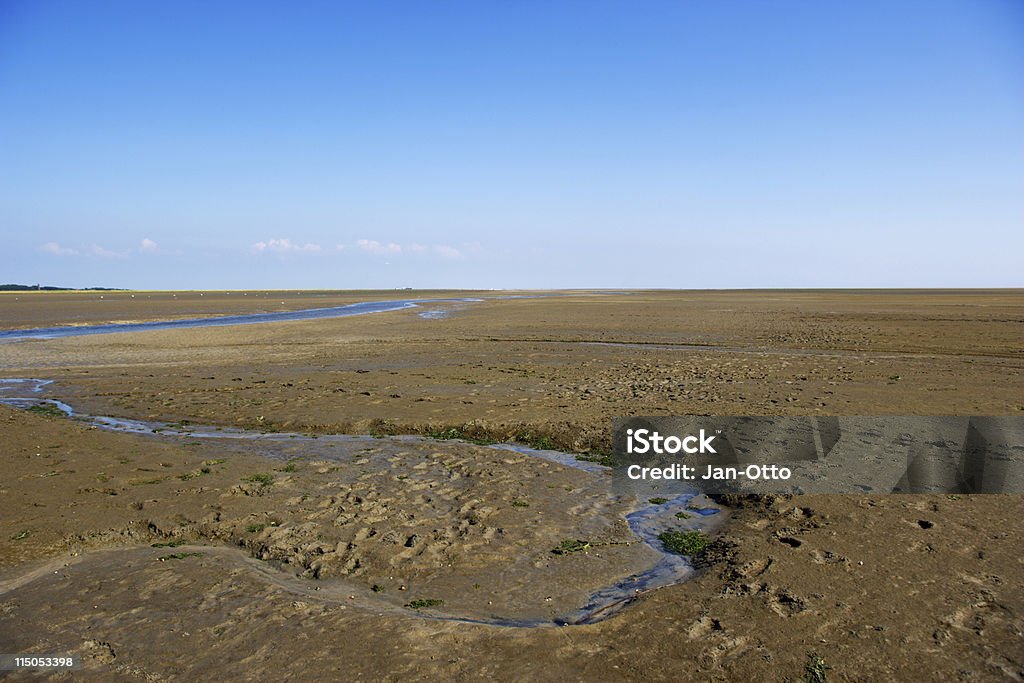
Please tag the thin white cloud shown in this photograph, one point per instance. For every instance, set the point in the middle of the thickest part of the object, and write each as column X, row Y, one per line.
column 284, row 246
column 391, row 248
column 375, row 247
column 444, row 251
column 146, row 246
column 57, row 250
column 103, row 252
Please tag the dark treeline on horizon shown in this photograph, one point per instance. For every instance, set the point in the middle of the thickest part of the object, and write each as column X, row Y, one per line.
column 46, row 288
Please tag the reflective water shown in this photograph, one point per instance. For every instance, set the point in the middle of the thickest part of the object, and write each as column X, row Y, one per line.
column 361, row 308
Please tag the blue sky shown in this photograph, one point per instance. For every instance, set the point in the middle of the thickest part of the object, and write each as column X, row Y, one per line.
column 522, row 144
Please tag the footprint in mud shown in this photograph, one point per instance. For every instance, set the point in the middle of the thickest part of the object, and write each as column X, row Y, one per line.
column 790, row 541
column 100, row 651
column 754, row 568
column 352, row 566
column 785, row 603
column 470, row 506
column 701, row 628
column 470, row 526
column 799, row 513
column 977, row 617
column 828, row 557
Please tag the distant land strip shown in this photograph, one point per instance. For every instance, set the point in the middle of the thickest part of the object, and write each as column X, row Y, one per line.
column 47, row 288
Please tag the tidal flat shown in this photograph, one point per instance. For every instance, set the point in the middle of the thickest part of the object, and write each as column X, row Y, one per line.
column 165, row 558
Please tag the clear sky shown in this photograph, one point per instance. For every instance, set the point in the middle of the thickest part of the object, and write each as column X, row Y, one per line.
column 507, row 144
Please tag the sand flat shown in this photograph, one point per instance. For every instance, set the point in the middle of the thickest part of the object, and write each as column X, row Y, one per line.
column 858, row 580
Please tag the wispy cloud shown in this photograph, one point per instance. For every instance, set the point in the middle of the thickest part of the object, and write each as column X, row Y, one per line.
column 444, row 251
column 103, row 252
column 146, row 246
column 375, row 247
column 391, row 248
column 284, row 246
column 57, row 250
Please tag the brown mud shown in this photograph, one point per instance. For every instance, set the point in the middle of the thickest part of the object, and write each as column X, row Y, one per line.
column 878, row 587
